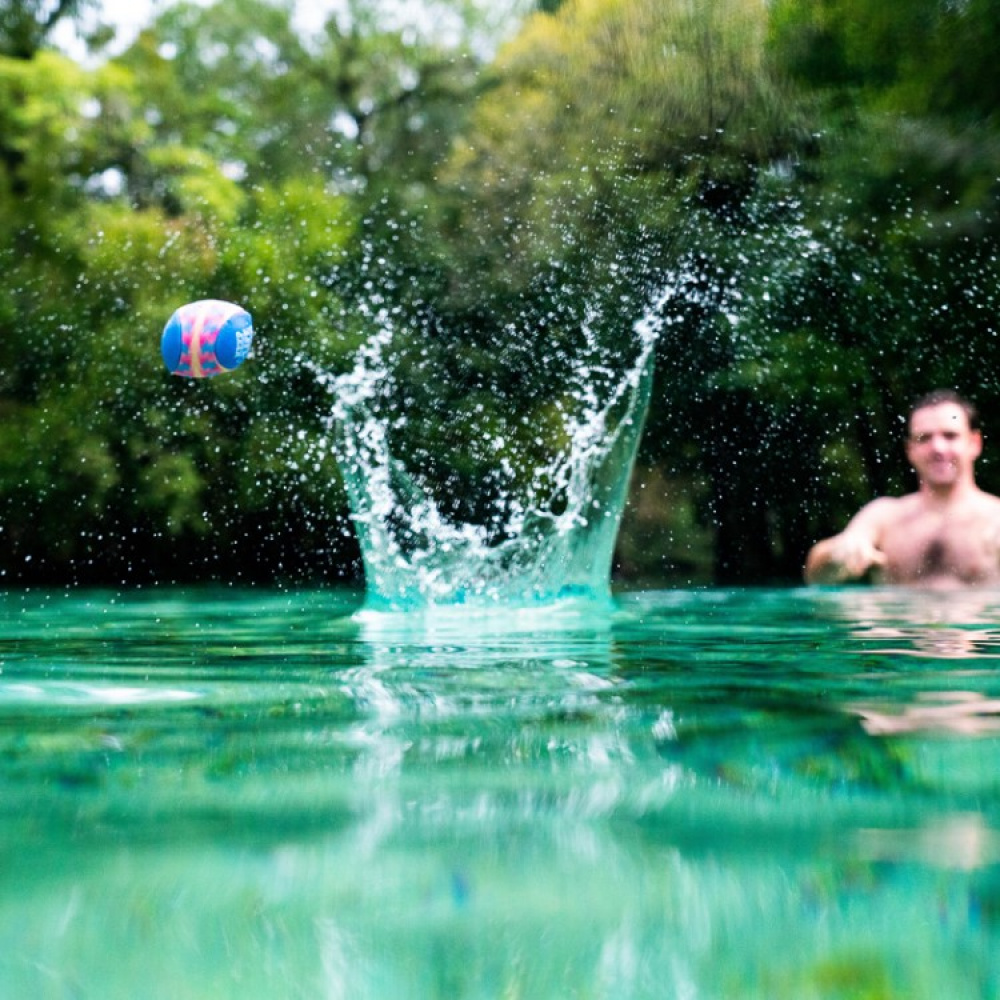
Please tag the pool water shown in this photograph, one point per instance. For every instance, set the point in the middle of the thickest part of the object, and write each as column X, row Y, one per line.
column 687, row 794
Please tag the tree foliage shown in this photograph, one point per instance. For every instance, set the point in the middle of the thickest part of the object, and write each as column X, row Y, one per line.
column 28, row 25
column 206, row 161
column 629, row 147
column 812, row 181
column 816, row 183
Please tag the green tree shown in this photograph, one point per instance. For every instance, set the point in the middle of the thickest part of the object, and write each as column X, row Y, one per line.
column 926, row 58
column 609, row 101
column 902, row 193
column 626, row 148
column 215, row 158
column 107, row 465
column 26, row 26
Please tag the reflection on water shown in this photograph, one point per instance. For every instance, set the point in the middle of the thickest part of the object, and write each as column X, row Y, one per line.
column 951, row 711
column 681, row 794
column 960, row 840
column 935, row 625
column 951, row 623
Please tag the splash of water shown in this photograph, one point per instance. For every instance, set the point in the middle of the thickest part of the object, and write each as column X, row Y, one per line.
column 554, row 540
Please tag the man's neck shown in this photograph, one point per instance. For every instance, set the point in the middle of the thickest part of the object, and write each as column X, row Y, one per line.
column 948, row 494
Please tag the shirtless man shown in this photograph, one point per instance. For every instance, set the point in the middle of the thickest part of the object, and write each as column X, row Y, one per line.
column 947, row 534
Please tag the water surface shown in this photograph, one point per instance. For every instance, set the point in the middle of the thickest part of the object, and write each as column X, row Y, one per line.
column 690, row 794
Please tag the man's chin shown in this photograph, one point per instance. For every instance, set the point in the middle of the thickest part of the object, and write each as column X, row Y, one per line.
column 944, row 477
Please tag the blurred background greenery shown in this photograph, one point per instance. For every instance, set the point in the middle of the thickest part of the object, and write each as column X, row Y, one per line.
column 816, row 180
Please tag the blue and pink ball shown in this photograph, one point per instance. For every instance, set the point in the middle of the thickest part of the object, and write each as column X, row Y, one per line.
column 206, row 338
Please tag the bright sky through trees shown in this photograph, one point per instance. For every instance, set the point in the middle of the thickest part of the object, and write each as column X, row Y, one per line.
column 130, row 16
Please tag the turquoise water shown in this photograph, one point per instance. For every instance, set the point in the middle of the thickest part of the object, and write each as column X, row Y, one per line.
column 685, row 794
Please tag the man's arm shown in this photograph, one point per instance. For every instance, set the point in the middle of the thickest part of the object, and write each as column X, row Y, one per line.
column 852, row 553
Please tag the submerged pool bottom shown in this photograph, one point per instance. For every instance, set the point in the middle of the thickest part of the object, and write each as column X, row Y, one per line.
column 691, row 794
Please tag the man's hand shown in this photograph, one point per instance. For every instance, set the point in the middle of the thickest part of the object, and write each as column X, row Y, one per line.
column 847, row 556
column 852, row 555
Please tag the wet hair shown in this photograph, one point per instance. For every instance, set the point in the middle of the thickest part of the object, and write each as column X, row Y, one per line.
column 939, row 396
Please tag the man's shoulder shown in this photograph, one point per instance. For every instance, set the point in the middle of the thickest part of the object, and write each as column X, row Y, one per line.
column 878, row 514
column 888, row 506
column 988, row 503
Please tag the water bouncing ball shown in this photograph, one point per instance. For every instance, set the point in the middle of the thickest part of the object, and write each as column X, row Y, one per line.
column 206, row 338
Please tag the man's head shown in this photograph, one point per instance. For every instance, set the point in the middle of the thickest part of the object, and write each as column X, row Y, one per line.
column 944, row 439
column 946, row 396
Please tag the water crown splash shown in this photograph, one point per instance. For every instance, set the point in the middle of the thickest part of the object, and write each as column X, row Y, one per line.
column 553, row 539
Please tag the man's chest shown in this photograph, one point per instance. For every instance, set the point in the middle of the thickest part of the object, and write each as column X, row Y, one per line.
column 962, row 547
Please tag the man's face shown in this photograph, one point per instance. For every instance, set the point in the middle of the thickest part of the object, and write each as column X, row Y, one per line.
column 941, row 447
